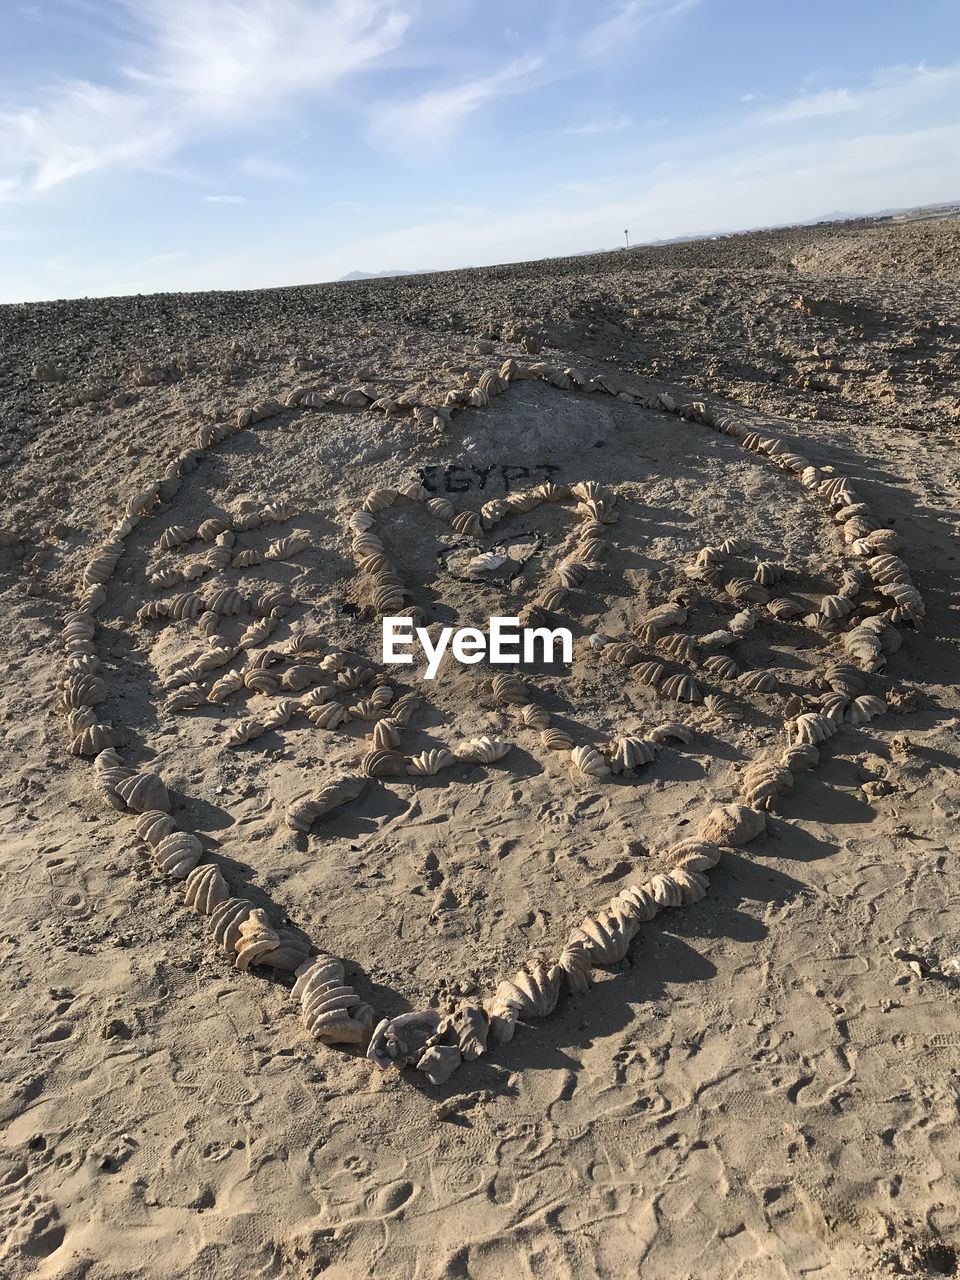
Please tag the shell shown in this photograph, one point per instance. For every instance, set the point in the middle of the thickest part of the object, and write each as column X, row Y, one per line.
column 732, row 825
column 93, row 739
column 82, row 690
column 442, row 508
column 439, row 1062
column 225, row 921
column 205, row 888
column 671, row 614
column 907, row 598
column 247, row 558
column 694, row 854
column 764, row 782
column 679, row 647
column 379, row 500
column 576, row 965
column 302, row 813
column 481, row 750
column 534, row 717
column 863, row 645
column 143, row 792
column 285, row 548
column 672, row 730
column 758, row 681
column 331, row 1010
column 721, row 666
column 742, row 623
column 630, row 753
column 177, row 854
column 745, row 591
column 186, row 697
column 812, row 728
column 244, row 731
column 176, row 536
column 225, row 687
column 606, row 936
column 723, row 708
column 800, row 757
column 589, row 761
column 865, row 708
column 379, row 764
column 467, row 523
column 154, row 826
column 650, row 673
column 625, row 655
column 260, row 681
column 509, row 689
column 429, row 763
column 766, row 572
column 401, row 1041
column 556, row 740
column 785, row 607
column 681, row 688
column 257, row 940
column 532, row 992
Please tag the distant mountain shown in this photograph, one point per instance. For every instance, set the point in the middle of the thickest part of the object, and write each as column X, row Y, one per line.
column 380, row 275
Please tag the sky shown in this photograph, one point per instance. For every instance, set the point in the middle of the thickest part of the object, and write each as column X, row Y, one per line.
column 166, row 145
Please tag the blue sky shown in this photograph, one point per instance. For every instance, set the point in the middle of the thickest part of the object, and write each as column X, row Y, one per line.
column 192, row 144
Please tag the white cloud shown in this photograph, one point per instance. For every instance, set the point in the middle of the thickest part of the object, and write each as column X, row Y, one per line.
column 891, row 92
column 613, row 124
column 432, row 119
column 195, row 68
column 224, row 199
column 628, row 19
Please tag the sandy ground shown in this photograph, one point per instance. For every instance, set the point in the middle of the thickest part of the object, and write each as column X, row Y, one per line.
column 762, row 1089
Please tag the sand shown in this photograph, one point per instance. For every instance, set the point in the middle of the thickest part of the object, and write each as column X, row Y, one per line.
column 762, row 1088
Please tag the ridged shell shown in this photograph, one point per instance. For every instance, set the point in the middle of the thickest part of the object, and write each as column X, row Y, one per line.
column 428, row 763
column 672, row 730
column 650, row 673
column 205, row 888
column 142, row 792
column 379, row 764
column 302, row 813
column 332, row 1011
column 784, row 607
column 681, row 688
column 225, row 921
column 812, row 728
column 244, row 731
column 722, row 667
column 723, row 708
column 509, row 689
column 556, row 740
column 630, row 753
column 606, row 936
column 589, row 761
column 865, row 708
column 758, row 681
column 731, row 825
column 481, row 750
column 153, row 826
column 177, row 854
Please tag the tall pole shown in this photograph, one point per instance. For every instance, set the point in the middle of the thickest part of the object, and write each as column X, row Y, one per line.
column 626, row 236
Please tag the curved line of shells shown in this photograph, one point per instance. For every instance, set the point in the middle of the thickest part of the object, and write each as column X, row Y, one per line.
column 436, row 1044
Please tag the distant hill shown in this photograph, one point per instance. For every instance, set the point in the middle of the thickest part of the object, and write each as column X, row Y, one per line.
column 380, row 275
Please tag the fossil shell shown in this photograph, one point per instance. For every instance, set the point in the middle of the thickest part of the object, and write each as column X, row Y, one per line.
column 326, row 715
column 575, row 962
column 679, row 647
column 246, row 559
column 260, row 681
column 439, row 1062
column 671, row 614
column 404, row 707
column 625, row 655
column 93, row 739
column 758, row 681
column 78, row 630
column 906, row 598
column 442, row 508
column 281, row 712
column 723, row 708
column 764, row 782
column 767, row 573
column 509, row 689
column 865, row 708
column 468, row 523
column 491, row 384
column 532, row 992
column 154, row 826
column 82, row 690
column 302, row 813
column 401, row 1041
column 361, row 521
column 880, row 540
column 223, row 688
column 671, row 730
column 205, row 888
column 291, row 545
column 257, row 940
column 300, row 676
column 212, row 528
column 630, row 753
column 589, row 761
column 163, row 578
column 379, row 763
column 332, row 1011
column 379, row 500
column 716, row 639
column 177, row 854
column 534, row 717
column 863, row 645
column 742, row 623
column 243, row 731
column 493, row 511
column 835, row 607
column 481, row 750
column 800, row 757
column 694, row 854
column 650, row 673
column 731, row 825
column 277, row 512
column 143, row 792
column 784, row 607
column 732, row 546
column 386, row 734
column 225, row 921
column 681, row 688
column 744, row 591
column 834, row 707
column 889, row 637
column 812, row 728
column 430, row 762
column 721, row 666
column 175, row 536
column 606, row 937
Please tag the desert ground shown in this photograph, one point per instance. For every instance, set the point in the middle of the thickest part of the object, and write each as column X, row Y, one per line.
column 766, row 1084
